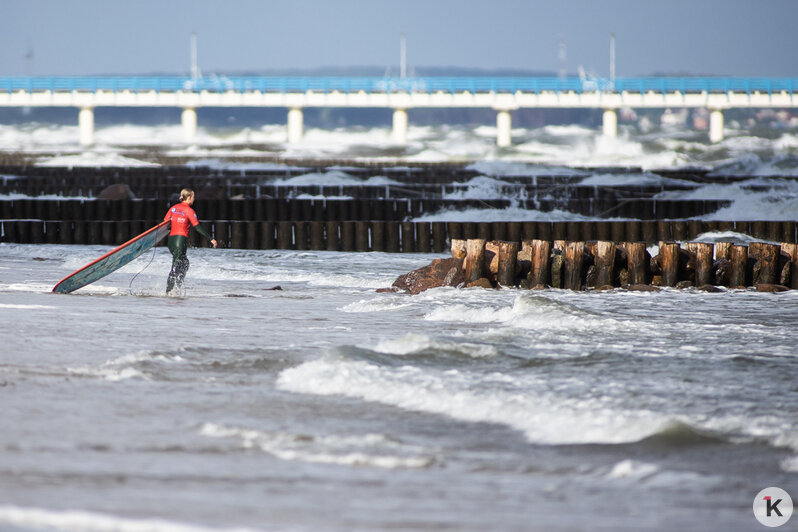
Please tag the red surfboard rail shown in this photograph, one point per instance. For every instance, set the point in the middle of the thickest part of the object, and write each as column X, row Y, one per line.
column 113, row 260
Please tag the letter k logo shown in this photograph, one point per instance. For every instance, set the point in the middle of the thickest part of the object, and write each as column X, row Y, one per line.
column 772, row 506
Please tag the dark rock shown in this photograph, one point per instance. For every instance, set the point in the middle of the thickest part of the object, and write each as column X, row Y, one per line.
column 440, row 272
column 684, row 284
column 482, row 282
column 119, row 191
column 386, row 290
column 709, row 288
column 642, row 288
column 722, row 271
column 767, row 287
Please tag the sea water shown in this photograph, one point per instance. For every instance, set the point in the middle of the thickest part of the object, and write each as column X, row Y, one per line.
column 329, row 406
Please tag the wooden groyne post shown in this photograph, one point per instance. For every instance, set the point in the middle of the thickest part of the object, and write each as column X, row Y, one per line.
column 607, row 264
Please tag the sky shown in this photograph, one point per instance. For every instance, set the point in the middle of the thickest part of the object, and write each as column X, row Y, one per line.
column 698, row 37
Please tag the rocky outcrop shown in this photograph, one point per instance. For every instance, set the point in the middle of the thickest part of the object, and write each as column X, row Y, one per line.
column 440, row 272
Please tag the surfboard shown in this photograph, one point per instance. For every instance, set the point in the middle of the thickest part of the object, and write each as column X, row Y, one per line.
column 113, row 260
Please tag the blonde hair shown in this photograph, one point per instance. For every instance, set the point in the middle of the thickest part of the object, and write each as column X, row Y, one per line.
column 185, row 194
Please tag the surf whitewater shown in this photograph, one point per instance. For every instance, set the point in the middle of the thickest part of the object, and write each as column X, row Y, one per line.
column 330, row 406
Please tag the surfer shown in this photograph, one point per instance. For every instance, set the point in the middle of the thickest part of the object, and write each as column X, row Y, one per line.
column 183, row 218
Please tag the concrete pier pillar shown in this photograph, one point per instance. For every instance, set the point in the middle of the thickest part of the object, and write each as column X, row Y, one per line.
column 189, row 121
column 503, row 129
column 86, row 126
column 400, row 126
column 295, row 125
column 610, row 123
column 715, row 125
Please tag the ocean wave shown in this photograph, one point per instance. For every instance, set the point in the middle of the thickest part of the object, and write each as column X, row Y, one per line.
column 415, row 347
column 541, row 417
column 86, row 521
column 368, row 450
column 528, row 311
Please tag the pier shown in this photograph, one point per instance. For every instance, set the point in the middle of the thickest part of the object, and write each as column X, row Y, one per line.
column 502, row 94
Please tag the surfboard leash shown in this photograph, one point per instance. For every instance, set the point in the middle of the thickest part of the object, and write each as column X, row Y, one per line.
column 130, row 286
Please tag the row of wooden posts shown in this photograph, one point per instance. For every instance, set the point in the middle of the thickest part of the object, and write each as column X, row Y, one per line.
column 390, row 237
column 324, row 209
column 606, row 264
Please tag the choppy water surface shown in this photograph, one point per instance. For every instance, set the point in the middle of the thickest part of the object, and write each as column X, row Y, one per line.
column 329, row 406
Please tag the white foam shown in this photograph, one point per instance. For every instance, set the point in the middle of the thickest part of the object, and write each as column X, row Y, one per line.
column 527, row 406
column 790, row 465
column 26, row 307
column 527, row 312
column 512, row 168
column 633, row 469
column 508, row 214
column 366, row 450
column 418, row 343
column 85, row 521
column 121, row 368
column 94, row 159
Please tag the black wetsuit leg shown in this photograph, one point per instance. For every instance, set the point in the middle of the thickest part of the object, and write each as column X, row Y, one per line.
column 177, row 245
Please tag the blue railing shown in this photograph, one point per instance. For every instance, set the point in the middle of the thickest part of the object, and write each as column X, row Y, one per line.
column 385, row 85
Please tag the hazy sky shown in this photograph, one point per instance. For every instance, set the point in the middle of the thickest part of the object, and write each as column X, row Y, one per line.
column 718, row 37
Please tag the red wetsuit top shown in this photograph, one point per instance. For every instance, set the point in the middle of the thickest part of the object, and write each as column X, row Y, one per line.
column 183, row 218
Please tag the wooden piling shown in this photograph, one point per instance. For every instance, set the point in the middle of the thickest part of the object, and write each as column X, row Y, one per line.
column 723, row 250
column 791, row 252
column 767, row 263
column 605, row 263
column 739, row 266
column 408, row 237
column 316, row 235
column 508, row 258
column 392, row 237
column 637, row 265
column 539, row 272
column 669, row 263
column 648, row 230
column 475, row 257
column 458, row 249
column 574, row 254
column 267, row 239
column 237, row 235
column 704, row 263
column 361, row 236
column 423, row 237
column 347, row 236
column 439, row 237
column 332, row 239
column 285, row 235
column 378, row 235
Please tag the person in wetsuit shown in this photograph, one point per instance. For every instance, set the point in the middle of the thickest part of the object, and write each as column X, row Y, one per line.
column 183, row 218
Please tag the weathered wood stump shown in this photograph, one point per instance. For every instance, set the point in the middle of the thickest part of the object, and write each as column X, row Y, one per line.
column 669, row 263
column 475, row 257
column 574, row 252
column 508, row 258
column 739, row 266
column 637, row 263
column 605, row 263
column 539, row 272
